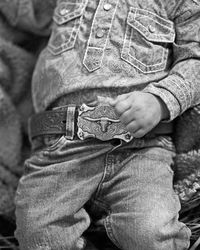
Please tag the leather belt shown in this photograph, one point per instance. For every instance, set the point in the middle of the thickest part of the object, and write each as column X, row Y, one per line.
column 84, row 122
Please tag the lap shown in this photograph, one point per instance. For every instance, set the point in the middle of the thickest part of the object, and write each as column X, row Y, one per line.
column 135, row 185
column 142, row 203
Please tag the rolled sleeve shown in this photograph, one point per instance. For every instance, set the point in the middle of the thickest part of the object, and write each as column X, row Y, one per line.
column 180, row 90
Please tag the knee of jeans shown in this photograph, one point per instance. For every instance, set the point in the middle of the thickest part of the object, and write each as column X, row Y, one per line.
column 146, row 233
column 140, row 232
column 41, row 240
column 153, row 233
column 29, row 231
column 32, row 234
column 26, row 234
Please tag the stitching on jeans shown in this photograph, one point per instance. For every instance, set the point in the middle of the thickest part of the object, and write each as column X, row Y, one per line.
column 185, row 228
column 100, row 186
column 109, row 230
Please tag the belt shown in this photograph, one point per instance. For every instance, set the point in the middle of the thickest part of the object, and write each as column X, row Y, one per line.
column 84, row 122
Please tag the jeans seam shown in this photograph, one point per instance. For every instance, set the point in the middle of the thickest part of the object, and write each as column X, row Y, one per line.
column 104, row 177
column 109, row 230
column 185, row 228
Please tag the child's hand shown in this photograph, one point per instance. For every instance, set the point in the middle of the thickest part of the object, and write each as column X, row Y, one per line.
column 140, row 112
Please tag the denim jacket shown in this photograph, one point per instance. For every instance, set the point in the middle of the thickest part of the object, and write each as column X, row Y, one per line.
column 151, row 45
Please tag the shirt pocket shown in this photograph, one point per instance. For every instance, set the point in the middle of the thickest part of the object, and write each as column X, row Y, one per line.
column 147, row 40
column 67, row 20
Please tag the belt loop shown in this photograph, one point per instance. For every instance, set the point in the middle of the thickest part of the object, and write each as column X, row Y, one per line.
column 70, row 124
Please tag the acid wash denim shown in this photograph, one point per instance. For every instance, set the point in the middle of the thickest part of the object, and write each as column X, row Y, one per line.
column 127, row 188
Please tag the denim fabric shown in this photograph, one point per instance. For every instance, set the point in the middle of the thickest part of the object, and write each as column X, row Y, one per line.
column 127, row 188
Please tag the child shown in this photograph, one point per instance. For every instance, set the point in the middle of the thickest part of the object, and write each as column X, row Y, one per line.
column 106, row 89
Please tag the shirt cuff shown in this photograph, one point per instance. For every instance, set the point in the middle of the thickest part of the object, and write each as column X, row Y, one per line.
column 175, row 92
column 168, row 98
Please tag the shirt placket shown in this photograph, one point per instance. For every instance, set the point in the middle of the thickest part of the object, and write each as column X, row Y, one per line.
column 99, row 35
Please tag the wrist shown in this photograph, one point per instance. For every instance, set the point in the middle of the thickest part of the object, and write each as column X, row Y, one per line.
column 163, row 109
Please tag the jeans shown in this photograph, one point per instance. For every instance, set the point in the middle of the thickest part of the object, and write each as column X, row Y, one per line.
column 124, row 187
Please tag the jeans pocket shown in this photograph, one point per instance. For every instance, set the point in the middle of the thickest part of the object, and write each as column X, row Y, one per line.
column 67, row 20
column 147, row 40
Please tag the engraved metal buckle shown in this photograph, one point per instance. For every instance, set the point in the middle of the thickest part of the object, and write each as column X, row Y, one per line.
column 100, row 122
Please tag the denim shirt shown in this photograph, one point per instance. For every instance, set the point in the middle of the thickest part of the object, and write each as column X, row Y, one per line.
column 121, row 45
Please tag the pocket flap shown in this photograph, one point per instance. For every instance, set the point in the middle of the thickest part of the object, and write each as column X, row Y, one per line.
column 151, row 26
column 68, row 11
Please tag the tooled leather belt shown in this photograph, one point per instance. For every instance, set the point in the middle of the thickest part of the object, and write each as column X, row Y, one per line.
column 84, row 122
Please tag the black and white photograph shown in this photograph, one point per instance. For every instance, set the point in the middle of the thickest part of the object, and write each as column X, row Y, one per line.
column 100, row 124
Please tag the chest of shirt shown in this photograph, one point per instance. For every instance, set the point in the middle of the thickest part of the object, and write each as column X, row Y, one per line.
column 140, row 31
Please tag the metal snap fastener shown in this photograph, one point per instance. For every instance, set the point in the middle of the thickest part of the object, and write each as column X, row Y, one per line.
column 63, row 11
column 100, row 33
column 152, row 29
column 107, row 6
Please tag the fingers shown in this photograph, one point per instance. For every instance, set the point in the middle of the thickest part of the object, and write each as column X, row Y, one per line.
column 135, row 123
column 139, row 134
column 138, row 111
column 119, row 98
column 136, row 130
column 132, row 127
column 129, row 115
column 121, row 103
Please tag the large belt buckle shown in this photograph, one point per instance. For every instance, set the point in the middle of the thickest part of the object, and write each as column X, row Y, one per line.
column 100, row 122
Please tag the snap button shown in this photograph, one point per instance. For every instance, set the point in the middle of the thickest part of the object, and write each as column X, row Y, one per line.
column 152, row 29
column 63, row 11
column 107, row 6
column 100, row 33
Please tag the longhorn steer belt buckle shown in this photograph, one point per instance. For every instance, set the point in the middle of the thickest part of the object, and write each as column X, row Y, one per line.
column 100, row 122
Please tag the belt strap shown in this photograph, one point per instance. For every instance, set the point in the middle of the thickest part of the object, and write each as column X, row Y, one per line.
column 52, row 122
column 65, row 122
